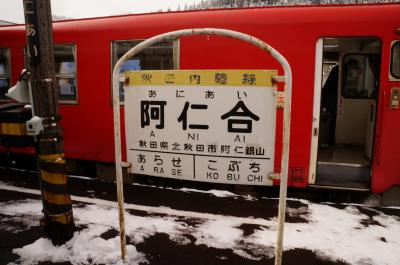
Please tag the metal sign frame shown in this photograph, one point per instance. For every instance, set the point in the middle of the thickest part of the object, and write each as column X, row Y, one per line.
column 287, row 79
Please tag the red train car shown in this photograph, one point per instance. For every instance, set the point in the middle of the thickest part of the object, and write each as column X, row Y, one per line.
column 346, row 80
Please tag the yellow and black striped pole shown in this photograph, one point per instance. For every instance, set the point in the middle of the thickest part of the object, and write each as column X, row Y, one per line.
column 56, row 199
column 57, row 207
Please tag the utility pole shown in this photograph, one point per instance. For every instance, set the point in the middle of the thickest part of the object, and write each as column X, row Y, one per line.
column 57, row 208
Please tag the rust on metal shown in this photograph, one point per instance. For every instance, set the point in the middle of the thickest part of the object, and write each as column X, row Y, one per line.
column 278, row 79
column 274, row 176
column 280, row 100
column 126, row 164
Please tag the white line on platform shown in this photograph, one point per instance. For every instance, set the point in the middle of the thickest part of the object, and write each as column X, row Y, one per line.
column 151, row 209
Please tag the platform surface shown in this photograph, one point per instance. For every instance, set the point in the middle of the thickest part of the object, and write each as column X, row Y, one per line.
column 187, row 226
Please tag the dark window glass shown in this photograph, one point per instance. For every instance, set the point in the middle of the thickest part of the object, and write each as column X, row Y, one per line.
column 4, row 72
column 395, row 60
column 360, row 75
column 159, row 56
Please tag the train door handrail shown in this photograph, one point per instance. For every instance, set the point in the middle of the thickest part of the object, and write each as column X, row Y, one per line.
column 287, row 79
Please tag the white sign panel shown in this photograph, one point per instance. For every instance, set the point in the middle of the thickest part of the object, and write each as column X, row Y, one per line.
column 213, row 126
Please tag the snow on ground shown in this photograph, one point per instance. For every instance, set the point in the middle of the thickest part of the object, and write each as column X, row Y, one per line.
column 216, row 193
column 342, row 234
column 86, row 246
column 336, row 234
column 19, row 223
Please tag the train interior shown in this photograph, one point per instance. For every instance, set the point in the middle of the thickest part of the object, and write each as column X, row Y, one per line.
column 350, row 83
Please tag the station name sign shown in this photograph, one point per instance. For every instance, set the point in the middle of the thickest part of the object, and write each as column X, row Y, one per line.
column 202, row 125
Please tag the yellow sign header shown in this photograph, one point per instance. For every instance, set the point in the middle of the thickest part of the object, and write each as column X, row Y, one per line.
column 248, row 78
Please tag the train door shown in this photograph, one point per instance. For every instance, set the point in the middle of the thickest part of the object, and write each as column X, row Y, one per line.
column 345, row 104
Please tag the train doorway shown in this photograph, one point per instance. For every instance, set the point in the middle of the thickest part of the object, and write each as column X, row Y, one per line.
column 348, row 90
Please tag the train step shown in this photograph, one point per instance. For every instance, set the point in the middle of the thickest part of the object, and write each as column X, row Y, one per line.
column 343, row 175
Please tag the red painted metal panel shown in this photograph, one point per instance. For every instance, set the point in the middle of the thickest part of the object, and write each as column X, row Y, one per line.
column 88, row 126
column 386, row 161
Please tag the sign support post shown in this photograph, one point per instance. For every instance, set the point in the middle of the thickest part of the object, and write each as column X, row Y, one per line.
column 287, row 79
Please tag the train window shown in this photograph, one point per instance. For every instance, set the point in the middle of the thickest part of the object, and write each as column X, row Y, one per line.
column 395, row 60
column 4, row 73
column 65, row 64
column 65, row 68
column 160, row 56
column 360, row 75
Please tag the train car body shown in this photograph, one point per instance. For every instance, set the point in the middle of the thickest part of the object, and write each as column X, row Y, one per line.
column 345, row 124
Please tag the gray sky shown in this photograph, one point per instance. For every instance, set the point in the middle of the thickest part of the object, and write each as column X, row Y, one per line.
column 12, row 10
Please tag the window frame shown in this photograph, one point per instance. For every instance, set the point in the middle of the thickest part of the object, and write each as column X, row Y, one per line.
column 69, row 76
column 8, row 74
column 393, row 77
column 62, row 76
column 342, row 76
column 175, row 59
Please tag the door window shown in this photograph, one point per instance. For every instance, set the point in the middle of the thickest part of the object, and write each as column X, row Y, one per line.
column 4, row 72
column 395, row 60
column 360, row 75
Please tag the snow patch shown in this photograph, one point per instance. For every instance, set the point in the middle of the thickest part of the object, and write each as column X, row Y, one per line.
column 85, row 247
column 219, row 233
column 339, row 235
column 27, row 207
column 225, row 234
column 216, row 193
column 19, row 223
